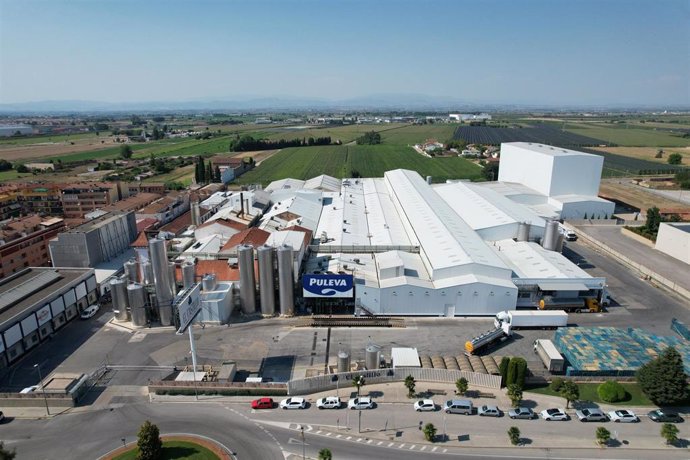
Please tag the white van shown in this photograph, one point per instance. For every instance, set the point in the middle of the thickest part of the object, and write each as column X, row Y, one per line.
column 458, row 406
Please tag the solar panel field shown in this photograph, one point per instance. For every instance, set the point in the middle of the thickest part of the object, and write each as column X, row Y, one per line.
column 541, row 134
column 347, row 160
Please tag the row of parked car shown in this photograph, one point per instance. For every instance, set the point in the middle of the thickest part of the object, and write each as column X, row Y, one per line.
column 464, row 406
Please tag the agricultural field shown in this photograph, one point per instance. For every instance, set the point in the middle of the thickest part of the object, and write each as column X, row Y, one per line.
column 343, row 133
column 44, row 147
column 647, row 153
column 616, row 165
column 184, row 175
column 628, row 137
column 417, row 134
column 367, row 160
column 542, row 134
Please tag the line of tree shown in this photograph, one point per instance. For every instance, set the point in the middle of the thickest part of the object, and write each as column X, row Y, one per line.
column 369, row 138
column 247, row 143
column 205, row 173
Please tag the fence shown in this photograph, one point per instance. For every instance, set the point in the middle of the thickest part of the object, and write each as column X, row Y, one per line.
column 330, row 382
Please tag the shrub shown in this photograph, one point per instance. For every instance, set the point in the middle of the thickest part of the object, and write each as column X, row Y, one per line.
column 429, row 432
column 611, row 391
column 670, row 433
column 503, row 370
column 521, row 372
column 603, row 435
column 512, row 372
column 514, row 435
column 149, row 443
column 556, row 384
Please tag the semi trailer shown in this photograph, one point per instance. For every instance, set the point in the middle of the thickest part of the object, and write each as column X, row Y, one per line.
column 526, row 319
column 549, row 355
column 484, row 340
column 571, row 305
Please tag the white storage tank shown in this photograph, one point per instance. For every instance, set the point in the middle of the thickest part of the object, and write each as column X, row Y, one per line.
column 208, row 282
column 523, row 231
column 188, row 274
column 137, row 303
column 245, row 256
column 343, row 362
column 118, row 289
column 132, row 270
column 147, row 272
column 286, row 284
column 162, row 281
column 267, row 292
column 372, row 356
column 550, row 239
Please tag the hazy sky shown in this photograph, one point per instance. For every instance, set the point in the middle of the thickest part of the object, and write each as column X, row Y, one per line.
column 512, row 51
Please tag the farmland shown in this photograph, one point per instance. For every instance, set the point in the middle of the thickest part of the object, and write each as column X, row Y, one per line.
column 619, row 165
column 542, row 134
column 367, row 161
column 628, row 137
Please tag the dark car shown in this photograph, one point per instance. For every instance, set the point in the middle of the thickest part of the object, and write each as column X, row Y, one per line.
column 661, row 415
column 262, row 403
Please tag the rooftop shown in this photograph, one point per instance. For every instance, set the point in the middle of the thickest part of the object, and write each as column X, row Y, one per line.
column 549, row 150
column 251, row 236
column 529, row 260
column 98, row 222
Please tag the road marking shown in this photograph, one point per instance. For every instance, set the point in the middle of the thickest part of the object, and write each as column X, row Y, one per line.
column 360, row 439
column 423, row 448
column 370, row 441
column 318, row 432
column 412, row 446
column 391, row 444
column 401, row 446
column 434, row 449
column 348, row 438
column 339, row 436
column 379, row 443
column 445, row 450
column 328, row 433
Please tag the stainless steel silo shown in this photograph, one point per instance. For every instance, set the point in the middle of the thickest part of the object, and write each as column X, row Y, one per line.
column 428, row 180
column 559, row 244
column 245, row 256
column 173, row 283
column 161, row 276
column 118, row 289
column 550, row 239
column 137, row 303
column 523, row 231
column 132, row 270
column 196, row 214
column 208, row 282
column 286, row 283
column 267, row 291
column 372, row 356
column 147, row 272
column 188, row 274
column 343, row 362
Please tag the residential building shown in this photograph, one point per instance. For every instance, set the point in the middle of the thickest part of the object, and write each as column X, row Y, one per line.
column 79, row 199
column 24, row 243
column 44, row 199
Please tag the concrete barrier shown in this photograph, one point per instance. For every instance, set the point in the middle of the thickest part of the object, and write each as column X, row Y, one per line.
column 639, row 238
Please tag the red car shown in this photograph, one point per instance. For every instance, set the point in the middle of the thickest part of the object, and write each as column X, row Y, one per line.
column 263, row 403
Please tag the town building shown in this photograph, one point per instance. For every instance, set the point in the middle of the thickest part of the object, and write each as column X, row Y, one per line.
column 24, row 242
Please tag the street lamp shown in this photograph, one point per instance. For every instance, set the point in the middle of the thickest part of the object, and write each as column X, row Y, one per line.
column 43, row 388
column 303, row 445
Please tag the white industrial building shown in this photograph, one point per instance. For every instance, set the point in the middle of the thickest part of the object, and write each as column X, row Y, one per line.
column 451, row 249
column 674, row 239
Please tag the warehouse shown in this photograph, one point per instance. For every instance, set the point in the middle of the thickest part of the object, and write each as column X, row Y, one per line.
column 399, row 245
column 35, row 302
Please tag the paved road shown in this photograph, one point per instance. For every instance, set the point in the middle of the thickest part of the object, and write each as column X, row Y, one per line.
column 275, row 434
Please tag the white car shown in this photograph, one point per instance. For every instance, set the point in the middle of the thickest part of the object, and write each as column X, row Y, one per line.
column 89, row 311
column 330, row 402
column 30, row 389
column 554, row 414
column 425, row 405
column 293, row 403
column 360, row 403
column 624, row 416
column 489, row 411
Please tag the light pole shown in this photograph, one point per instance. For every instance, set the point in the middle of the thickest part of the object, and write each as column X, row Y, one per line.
column 43, row 388
column 303, row 445
column 124, row 442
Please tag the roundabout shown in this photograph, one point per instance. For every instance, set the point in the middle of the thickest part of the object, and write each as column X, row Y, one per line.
column 177, row 447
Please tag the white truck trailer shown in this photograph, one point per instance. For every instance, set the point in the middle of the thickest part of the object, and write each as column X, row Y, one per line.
column 525, row 319
column 551, row 358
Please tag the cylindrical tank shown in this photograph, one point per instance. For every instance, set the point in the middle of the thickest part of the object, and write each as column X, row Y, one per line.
column 372, row 357
column 132, row 270
column 161, row 276
column 245, row 257
column 428, row 180
column 208, row 282
column 343, row 362
column 147, row 271
column 171, row 273
column 523, row 231
column 196, row 213
column 188, row 274
column 550, row 239
column 137, row 303
column 559, row 243
column 118, row 288
column 286, row 284
column 267, row 291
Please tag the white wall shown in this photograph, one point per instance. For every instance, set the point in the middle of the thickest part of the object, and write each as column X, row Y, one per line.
column 593, row 209
column 576, row 174
column 526, row 167
column 398, row 301
column 675, row 242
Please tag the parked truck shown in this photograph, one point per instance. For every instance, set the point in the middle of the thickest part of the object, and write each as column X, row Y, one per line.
column 484, row 340
column 525, row 319
column 571, row 305
column 551, row 358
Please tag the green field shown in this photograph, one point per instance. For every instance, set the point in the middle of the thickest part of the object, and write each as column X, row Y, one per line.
column 184, row 175
column 179, row 450
column 628, row 137
column 367, row 160
column 11, row 141
column 12, row 174
column 343, row 133
column 417, row 134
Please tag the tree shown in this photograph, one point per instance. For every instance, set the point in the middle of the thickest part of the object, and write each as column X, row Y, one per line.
column 216, row 174
column 611, row 391
column 410, row 384
column 22, row 168
column 503, row 370
column 325, row 454
column 556, row 384
column 670, row 433
column 515, row 394
column 461, row 384
column 149, row 442
column 514, row 435
column 429, row 432
column 603, row 435
column 520, row 371
column 369, row 138
column 6, row 454
column 663, row 379
column 358, row 381
column 570, row 391
column 675, row 159
column 5, row 165
column 126, row 152
column 659, row 154
column 490, row 171
column 512, row 372
column 653, row 220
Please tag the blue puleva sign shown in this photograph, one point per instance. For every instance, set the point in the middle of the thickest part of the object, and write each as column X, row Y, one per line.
column 327, row 285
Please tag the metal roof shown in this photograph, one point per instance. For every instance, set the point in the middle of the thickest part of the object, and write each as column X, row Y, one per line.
column 561, row 286
column 405, row 357
column 323, row 182
column 27, row 287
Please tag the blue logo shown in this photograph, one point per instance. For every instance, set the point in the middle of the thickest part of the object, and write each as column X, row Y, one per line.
column 327, row 286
